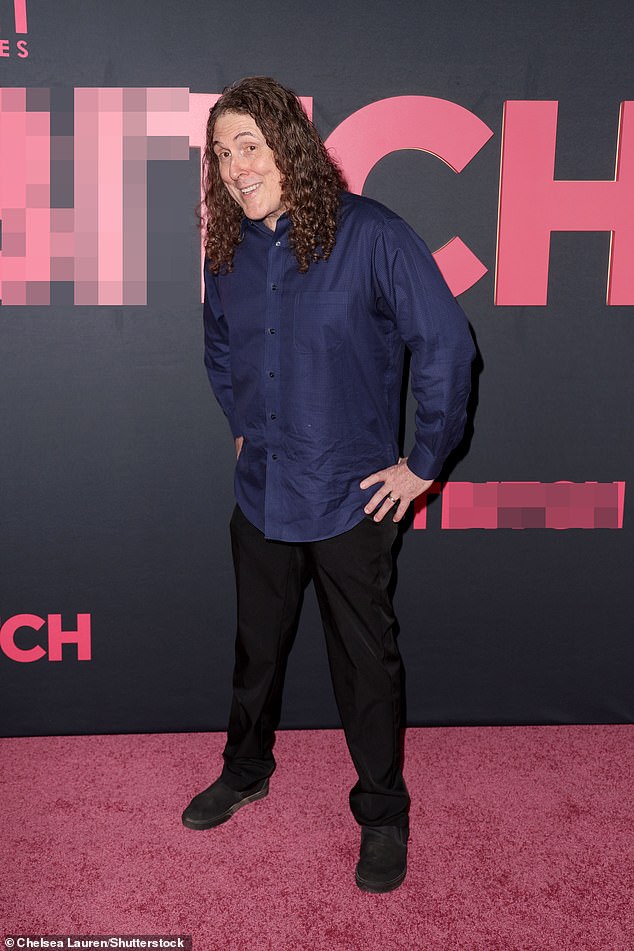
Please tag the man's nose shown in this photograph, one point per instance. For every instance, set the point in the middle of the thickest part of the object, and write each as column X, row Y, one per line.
column 237, row 166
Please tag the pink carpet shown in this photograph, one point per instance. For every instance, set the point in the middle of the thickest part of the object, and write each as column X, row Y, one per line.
column 522, row 840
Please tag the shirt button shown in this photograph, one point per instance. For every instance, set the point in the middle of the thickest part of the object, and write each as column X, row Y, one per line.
column 271, row 330
column 271, row 374
column 273, row 415
column 273, row 287
column 274, row 456
column 277, row 244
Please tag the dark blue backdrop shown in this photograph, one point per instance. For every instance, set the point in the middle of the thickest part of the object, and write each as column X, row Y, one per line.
column 116, row 464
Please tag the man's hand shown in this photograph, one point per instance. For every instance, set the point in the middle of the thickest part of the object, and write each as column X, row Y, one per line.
column 400, row 485
column 239, row 440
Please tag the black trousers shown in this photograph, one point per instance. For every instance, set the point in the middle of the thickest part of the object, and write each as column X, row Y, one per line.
column 351, row 573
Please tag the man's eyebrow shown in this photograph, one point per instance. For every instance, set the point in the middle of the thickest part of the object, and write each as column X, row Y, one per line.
column 246, row 132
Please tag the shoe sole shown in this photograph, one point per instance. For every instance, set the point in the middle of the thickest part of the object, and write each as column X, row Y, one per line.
column 202, row 824
column 373, row 889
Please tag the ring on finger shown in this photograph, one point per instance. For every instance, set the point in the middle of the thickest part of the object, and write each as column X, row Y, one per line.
column 392, row 499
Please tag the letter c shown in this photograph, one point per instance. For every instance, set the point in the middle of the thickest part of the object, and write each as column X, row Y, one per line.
column 438, row 126
column 7, row 638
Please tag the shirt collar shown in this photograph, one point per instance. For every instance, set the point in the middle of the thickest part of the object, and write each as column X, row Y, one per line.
column 282, row 226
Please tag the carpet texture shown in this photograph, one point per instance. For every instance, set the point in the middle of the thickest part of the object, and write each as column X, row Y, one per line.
column 521, row 840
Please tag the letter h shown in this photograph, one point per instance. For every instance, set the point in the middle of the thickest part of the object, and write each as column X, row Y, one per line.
column 532, row 204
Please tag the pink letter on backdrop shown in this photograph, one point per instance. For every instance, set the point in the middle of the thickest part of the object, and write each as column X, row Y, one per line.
column 19, row 7
column 421, row 503
column 438, row 126
column 117, row 131
column 19, row 15
column 7, row 638
column 532, row 204
column 57, row 637
column 560, row 505
column 25, row 188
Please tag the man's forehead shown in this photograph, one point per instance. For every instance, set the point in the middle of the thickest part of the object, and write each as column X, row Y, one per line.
column 232, row 125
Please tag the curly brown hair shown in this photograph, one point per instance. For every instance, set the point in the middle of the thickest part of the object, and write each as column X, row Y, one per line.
column 311, row 180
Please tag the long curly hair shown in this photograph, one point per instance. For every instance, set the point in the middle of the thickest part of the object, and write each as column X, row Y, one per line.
column 311, row 180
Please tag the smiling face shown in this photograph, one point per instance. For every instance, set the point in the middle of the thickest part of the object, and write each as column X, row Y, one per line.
column 247, row 167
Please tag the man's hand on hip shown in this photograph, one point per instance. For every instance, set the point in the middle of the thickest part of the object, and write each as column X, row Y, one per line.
column 400, row 487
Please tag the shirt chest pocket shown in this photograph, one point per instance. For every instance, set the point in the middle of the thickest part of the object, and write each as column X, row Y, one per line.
column 320, row 320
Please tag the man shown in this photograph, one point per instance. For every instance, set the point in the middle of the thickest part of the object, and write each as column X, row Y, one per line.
column 312, row 295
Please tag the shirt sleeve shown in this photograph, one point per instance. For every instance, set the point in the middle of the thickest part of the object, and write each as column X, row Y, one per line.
column 435, row 330
column 217, row 360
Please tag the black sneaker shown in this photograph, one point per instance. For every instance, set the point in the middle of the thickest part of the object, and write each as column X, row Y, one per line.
column 383, row 858
column 218, row 802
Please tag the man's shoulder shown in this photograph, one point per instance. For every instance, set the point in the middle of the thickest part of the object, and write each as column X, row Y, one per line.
column 362, row 209
column 361, row 216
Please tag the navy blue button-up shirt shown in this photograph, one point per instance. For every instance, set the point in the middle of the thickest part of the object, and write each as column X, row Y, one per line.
column 308, row 367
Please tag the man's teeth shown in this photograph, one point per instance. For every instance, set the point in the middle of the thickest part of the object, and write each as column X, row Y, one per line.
column 249, row 189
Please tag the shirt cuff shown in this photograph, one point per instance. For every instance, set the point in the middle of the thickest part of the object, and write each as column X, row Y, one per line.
column 423, row 464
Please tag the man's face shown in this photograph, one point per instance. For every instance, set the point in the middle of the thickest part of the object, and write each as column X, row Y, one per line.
column 247, row 167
